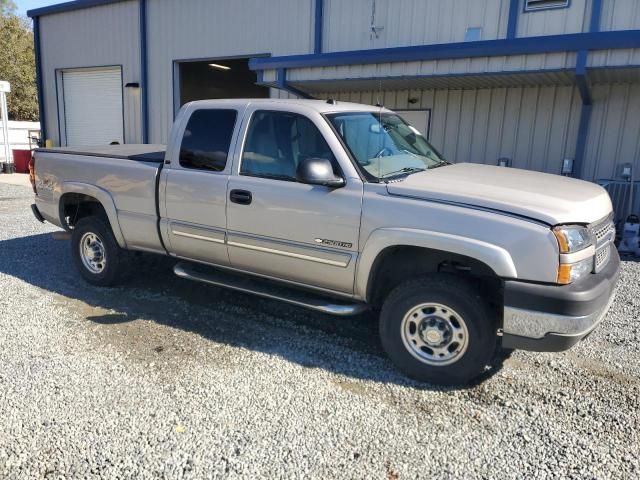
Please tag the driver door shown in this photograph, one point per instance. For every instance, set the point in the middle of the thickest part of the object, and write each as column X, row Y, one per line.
column 281, row 228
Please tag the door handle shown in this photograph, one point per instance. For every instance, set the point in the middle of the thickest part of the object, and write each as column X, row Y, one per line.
column 241, row 197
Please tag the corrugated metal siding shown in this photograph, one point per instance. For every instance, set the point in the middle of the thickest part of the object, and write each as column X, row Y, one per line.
column 534, row 126
column 614, row 135
column 193, row 29
column 410, row 22
column 105, row 35
column 614, row 75
column 422, row 22
column 620, row 15
column 619, row 192
column 276, row 93
column 572, row 19
column 614, row 58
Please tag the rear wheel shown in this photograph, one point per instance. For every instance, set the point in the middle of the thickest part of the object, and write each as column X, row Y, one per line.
column 96, row 253
column 438, row 329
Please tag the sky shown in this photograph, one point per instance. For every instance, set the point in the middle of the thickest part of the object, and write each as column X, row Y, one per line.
column 24, row 5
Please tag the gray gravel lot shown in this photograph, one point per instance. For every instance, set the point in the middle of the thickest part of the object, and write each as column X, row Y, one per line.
column 165, row 378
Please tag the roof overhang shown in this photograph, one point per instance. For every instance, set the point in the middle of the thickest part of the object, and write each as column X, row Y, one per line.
column 434, row 82
column 559, row 77
column 572, row 42
column 68, row 7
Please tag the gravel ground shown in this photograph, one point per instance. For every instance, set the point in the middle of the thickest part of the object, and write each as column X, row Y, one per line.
column 171, row 379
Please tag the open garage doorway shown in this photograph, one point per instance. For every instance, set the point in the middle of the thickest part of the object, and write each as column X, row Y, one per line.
column 216, row 78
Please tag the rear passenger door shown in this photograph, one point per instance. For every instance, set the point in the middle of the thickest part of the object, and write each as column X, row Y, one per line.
column 194, row 218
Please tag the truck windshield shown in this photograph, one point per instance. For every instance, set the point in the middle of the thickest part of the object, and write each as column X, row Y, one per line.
column 384, row 145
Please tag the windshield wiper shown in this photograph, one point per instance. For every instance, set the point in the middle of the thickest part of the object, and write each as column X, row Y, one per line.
column 442, row 163
column 408, row 170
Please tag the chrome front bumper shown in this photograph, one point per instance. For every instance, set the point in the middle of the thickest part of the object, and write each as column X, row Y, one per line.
column 554, row 318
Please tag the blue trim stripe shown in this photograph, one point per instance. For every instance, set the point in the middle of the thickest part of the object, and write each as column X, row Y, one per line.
column 585, row 92
column 581, row 77
column 281, row 83
column 596, row 15
column 512, row 25
column 68, row 6
column 281, row 78
column 144, row 94
column 318, row 28
column 485, row 48
column 38, row 60
column 581, row 142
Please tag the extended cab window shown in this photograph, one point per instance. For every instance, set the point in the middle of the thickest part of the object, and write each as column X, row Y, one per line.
column 206, row 140
column 278, row 141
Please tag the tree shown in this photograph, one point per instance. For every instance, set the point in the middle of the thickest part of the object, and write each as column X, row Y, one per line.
column 7, row 7
column 17, row 65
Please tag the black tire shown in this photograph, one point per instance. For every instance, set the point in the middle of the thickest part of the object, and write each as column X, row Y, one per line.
column 464, row 299
column 116, row 259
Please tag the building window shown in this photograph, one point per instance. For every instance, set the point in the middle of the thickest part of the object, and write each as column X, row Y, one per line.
column 533, row 5
column 473, row 34
column 206, row 140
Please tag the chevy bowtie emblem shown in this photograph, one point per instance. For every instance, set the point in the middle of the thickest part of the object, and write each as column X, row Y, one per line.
column 334, row 243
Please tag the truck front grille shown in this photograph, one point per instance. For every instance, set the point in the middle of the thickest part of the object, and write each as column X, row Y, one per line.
column 604, row 233
column 601, row 232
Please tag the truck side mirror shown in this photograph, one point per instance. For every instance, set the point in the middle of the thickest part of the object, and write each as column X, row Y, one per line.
column 318, row 171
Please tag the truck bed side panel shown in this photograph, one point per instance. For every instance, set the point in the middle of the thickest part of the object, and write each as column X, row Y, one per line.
column 130, row 183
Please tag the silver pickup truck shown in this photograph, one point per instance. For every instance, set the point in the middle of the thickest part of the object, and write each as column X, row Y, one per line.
column 341, row 207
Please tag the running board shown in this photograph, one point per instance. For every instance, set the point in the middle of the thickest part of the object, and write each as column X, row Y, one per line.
column 267, row 289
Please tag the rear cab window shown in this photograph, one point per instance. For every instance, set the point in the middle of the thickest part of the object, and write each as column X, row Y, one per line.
column 207, row 139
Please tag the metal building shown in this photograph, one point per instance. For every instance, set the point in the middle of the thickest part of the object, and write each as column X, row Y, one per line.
column 531, row 81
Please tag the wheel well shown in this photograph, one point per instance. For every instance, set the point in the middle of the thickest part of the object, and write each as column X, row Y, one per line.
column 74, row 206
column 395, row 265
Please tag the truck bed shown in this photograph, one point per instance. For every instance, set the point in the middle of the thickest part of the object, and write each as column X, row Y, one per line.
column 124, row 178
column 142, row 153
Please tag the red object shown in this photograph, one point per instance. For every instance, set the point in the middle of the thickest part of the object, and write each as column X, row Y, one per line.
column 21, row 160
column 32, row 173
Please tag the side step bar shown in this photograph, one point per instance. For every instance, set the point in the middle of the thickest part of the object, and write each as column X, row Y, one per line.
column 267, row 289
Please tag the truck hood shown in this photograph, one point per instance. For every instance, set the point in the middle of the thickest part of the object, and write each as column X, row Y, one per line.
column 552, row 199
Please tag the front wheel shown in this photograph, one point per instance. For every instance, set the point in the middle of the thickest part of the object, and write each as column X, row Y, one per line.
column 96, row 253
column 438, row 329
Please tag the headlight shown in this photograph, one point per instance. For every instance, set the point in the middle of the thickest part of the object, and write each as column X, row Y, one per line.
column 572, row 238
column 573, row 241
column 570, row 272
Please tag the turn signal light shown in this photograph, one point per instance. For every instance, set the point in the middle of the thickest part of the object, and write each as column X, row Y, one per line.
column 570, row 272
column 564, row 274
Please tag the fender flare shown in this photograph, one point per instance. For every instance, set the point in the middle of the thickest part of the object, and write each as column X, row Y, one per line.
column 497, row 258
column 100, row 194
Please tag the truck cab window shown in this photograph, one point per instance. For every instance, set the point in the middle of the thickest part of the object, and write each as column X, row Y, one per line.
column 206, row 140
column 278, row 141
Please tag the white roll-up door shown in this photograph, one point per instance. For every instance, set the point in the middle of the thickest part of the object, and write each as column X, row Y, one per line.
column 93, row 110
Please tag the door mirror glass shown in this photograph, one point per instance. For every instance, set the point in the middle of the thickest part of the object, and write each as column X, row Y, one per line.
column 318, row 171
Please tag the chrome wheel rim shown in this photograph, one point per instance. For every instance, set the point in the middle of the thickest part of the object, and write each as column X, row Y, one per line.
column 92, row 253
column 435, row 334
